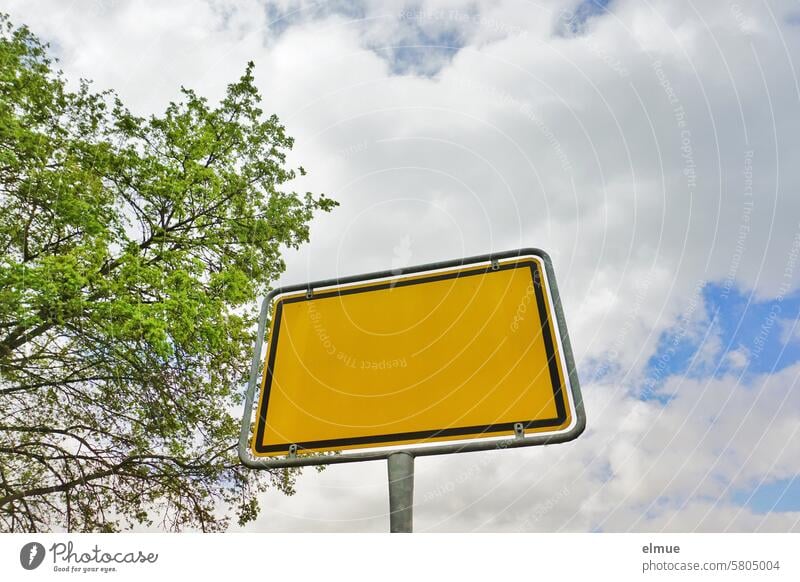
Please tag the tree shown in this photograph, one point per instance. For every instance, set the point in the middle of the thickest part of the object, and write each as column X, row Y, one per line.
column 132, row 250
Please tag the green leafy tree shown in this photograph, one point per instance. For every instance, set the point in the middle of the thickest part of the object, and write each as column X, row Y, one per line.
column 131, row 252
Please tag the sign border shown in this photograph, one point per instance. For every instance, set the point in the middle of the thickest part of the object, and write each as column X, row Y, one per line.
column 573, row 431
column 480, row 269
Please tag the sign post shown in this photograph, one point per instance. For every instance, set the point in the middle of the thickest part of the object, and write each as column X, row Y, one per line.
column 447, row 357
column 401, row 492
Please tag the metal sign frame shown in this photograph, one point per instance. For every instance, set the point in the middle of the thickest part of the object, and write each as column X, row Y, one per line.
column 519, row 440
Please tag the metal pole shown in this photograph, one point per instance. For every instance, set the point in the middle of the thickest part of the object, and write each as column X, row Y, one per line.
column 401, row 492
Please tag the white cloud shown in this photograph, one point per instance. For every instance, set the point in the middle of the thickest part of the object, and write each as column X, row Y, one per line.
column 654, row 153
column 790, row 330
column 738, row 358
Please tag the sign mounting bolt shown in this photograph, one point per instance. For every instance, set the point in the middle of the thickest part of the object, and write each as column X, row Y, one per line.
column 519, row 430
column 292, row 451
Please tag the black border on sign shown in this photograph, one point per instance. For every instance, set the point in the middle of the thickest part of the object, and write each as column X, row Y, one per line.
column 550, row 351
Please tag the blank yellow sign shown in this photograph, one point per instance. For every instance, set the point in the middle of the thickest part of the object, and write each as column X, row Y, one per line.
column 446, row 355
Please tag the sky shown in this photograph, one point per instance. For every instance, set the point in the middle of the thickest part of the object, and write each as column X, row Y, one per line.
column 651, row 148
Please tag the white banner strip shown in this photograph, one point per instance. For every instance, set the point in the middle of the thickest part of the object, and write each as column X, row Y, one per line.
column 384, row 557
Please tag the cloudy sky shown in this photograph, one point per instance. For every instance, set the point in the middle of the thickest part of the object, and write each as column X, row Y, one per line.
column 651, row 147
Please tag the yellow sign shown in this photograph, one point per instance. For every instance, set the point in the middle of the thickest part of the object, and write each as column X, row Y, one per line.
column 472, row 351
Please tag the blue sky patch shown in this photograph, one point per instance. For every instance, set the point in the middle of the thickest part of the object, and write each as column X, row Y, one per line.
column 422, row 53
column 792, row 19
column 740, row 335
column 778, row 496
column 281, row 17
column 418, row 42
column 574, row 22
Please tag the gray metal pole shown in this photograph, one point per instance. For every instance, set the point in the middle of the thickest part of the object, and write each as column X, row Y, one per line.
column 401, row 492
